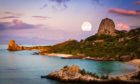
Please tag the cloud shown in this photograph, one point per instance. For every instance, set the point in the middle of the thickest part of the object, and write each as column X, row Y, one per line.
column 9, row 17
column 123, row 26
column 138, row 2
column 15, row 25
column 124, row 12
column 59, row 4
column 97, row 2
column 41, row 17
column 60, row 1
column 44, row 6
column 12, row 13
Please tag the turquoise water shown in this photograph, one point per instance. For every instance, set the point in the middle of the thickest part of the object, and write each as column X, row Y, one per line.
column 21, row 67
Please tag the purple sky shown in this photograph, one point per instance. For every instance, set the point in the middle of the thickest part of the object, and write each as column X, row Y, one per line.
column 52, row 21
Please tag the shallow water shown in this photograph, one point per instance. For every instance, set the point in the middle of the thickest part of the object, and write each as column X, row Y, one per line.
column 21, row 67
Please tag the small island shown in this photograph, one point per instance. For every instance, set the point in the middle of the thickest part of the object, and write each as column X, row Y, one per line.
column 75, row 74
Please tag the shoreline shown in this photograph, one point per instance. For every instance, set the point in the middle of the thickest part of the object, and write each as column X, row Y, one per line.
column 59, row 55
column 55, row 54
column 124, row 77
column 70, row 56
column 127, row 76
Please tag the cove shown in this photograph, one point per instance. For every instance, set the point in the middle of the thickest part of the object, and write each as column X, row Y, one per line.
column 24, row 68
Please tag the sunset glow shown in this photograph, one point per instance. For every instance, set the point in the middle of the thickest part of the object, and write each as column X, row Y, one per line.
column 27, row 19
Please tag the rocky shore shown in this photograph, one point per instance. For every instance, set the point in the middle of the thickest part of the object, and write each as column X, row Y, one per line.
column 71, row 73
column 75, row 74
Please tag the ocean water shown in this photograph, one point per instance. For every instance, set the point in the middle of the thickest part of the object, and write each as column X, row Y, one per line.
column 21, row 67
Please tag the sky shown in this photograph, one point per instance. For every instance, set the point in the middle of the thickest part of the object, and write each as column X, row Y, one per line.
column 47, row 22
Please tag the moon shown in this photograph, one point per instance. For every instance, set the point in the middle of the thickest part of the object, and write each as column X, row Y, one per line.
column 86, row 26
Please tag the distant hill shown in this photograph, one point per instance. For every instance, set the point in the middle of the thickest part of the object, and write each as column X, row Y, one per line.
column 107, row 42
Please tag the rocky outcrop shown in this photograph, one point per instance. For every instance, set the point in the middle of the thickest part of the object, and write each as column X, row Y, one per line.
column 75, row 74
column 107, row 27
column 71, row 73
column 12, row 46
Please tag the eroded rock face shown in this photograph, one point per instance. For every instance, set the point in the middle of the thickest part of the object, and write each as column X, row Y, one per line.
column 107, row 27
column 12, row 46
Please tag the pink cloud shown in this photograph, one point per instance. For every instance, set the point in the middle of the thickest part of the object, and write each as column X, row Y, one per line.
column 138, row 2
column 17, row 22
column 16, row 25
column 123, row 26
column 9, row 17
column 41, row 17
column 12, row 13
column 123, row 11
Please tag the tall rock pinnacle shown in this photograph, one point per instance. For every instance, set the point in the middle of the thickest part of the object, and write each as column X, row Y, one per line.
column 107, row 27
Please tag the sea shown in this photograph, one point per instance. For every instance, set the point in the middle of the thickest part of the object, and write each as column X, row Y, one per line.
column 22, row 67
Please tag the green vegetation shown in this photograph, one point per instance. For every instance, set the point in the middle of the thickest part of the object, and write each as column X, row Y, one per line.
column 124, row 44
column 84, row 72
column 68, row 47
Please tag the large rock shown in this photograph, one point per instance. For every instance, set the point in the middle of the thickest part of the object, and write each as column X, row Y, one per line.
column 12, row 46
column 71, row 73
column 107, row 27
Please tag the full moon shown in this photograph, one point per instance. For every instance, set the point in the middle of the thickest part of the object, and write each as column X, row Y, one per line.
column 86, row 26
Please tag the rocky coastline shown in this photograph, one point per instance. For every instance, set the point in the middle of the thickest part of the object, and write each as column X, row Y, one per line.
column 75, row 74
column 12, row 46
column 115, row 58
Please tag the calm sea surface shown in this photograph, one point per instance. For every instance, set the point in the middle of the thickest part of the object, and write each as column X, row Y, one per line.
column 21, row 67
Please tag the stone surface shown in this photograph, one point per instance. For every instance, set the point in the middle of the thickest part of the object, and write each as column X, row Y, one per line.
column 107, row 27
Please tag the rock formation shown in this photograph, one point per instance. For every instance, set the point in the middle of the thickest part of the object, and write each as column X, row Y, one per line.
column 71, row 73
column 107, row 27
column 13, row 46
column 75, row 74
